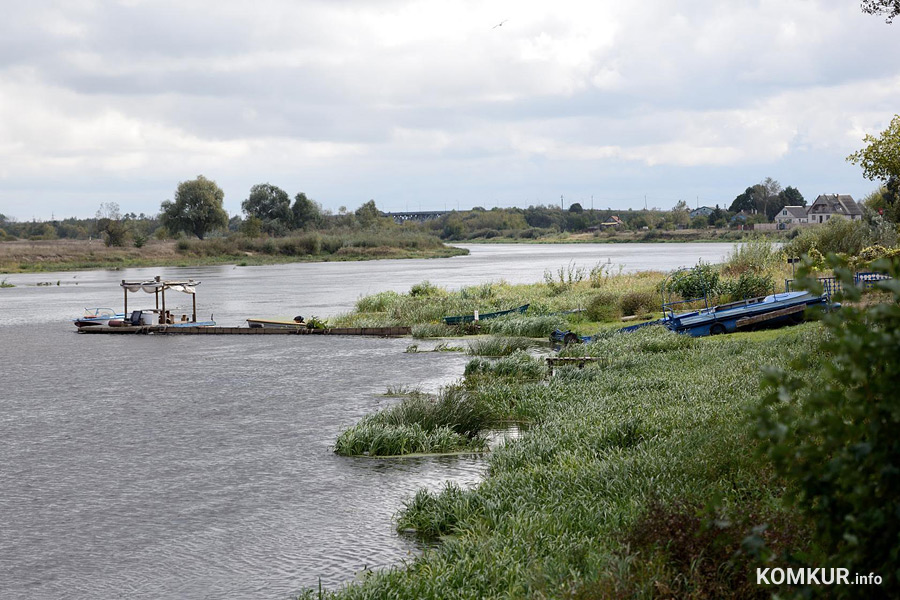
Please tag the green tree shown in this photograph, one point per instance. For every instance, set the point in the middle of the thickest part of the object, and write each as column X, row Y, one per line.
column 197, row 208
column 681, row 214
column 307, row 213
column 267, row 203
column 367, row 214
column 891, row 8
column 880, row 160
column 109, row 224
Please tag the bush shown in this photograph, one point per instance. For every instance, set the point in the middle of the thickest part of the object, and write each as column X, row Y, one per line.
column 638, row 303
column 833, row 435
column 755, row 256
column 698, row 282
column 425, row 289
column 603, row 307
column 748, row 285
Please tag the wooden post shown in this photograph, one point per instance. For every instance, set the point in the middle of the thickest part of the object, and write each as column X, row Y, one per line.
column 125, row 290
column 194, row 298
column 162, row 315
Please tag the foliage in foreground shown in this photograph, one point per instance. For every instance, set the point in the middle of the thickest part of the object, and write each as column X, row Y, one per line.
column 834, row 435
column 568, row 509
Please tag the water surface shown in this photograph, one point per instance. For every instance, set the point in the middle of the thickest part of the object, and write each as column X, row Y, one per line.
column 199, row 467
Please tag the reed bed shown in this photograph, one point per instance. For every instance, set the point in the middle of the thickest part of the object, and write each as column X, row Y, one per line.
column 451, row 422
column 608, row 492
column 497, row 346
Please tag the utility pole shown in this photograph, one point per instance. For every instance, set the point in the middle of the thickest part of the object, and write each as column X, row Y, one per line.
column 560, row 202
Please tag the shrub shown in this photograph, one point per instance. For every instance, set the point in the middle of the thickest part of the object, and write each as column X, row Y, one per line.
column 833, row 435
column 748, row 285
column 425, row 288
column 637, row 303
column 755, row 256
column 603, row 306
column 700, row 281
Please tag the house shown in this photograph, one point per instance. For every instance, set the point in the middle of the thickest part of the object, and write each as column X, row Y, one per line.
column 703, row 211
column 829, row 205
column 792, row 215
column 613, row 221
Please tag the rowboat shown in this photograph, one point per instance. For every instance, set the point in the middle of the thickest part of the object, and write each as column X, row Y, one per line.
column 295, row 323
column 492, row 315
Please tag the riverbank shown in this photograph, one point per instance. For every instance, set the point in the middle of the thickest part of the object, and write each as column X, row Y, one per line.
column 652, row 236
column 634, row 474
column 27, row 256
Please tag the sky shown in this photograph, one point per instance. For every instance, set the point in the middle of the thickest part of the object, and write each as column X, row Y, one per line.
column 434, row 105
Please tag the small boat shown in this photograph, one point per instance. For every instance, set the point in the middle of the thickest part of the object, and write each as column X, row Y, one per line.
column 98, row 317
column 295, row 323
column 766, row 311
column 492, row 315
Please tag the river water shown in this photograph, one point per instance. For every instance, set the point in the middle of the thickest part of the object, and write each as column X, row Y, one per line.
column 201, row 466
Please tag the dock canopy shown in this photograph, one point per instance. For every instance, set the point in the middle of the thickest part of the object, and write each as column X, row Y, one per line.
column 158, row 287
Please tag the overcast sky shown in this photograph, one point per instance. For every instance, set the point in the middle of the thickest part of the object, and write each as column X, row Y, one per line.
column 434, row 104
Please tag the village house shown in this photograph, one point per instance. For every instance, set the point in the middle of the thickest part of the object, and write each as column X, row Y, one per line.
column 703, row 211
column 792, row 215
column 829, row 205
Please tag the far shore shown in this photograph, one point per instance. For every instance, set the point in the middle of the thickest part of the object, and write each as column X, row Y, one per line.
column 35, row 256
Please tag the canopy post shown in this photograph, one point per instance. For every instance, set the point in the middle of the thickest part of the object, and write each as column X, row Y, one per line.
column 125, row 291
column 194, row 298
column 162, row 315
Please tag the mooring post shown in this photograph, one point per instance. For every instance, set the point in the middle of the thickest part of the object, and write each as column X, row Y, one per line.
column 125, row 291
column 194, row 298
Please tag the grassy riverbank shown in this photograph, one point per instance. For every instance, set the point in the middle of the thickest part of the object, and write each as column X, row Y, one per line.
column 669, row 466
column 635, row 477
column 69, row 255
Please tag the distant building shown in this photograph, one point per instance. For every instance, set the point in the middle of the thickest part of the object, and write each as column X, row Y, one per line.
column 829, row 205
column 792, row 215
column 703, row 211
column 613, row 221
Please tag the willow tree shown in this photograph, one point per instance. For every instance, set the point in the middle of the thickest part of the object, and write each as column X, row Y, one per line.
column 197, row 208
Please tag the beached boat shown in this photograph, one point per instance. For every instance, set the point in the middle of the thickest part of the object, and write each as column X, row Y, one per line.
column 295, row 323
column 492, row 315
column 767, row 311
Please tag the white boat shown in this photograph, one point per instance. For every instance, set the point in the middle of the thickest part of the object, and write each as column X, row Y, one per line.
column 98, row 317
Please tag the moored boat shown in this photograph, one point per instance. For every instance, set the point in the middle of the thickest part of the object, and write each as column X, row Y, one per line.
column 295, row 323
column 98, row 317
column 491, row 315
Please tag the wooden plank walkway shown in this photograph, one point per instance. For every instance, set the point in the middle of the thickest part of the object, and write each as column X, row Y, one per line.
column 166, row 330
column 747, row 321
column 579, row 361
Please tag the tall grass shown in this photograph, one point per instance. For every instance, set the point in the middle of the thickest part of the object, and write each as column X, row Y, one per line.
column 454, row 420
column 497, row 346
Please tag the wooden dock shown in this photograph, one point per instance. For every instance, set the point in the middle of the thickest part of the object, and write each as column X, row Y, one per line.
column 169, row 330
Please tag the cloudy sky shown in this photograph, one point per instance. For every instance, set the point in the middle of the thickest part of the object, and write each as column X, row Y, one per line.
column 431, row 105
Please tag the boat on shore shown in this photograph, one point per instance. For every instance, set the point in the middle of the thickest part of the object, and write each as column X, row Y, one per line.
column 766, row 311
column 491, row 315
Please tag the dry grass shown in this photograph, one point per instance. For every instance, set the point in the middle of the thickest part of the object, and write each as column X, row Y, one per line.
column 42, row 255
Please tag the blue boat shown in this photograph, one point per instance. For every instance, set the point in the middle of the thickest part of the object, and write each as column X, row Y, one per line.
column 767, row 311
column 773, row 310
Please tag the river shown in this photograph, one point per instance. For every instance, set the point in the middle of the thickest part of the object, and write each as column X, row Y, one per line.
column 199, row 467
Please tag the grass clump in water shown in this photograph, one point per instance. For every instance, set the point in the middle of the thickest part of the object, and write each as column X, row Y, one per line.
column 497, row 346
column 453, row 421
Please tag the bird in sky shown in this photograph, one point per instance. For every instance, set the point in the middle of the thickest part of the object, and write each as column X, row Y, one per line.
column 500, row 24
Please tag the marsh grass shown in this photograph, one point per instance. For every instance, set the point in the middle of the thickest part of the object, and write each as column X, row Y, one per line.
column 451, row 422
column 497, row 346
column 614, row 451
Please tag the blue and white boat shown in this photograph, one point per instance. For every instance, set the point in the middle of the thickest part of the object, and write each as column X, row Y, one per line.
column 97, row 317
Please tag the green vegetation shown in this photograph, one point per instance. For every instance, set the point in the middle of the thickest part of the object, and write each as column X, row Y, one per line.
column 619, row 460
column 497, row 346
column 6, row 284
column 833, row 436
column 671, row 467
column 450, row 422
